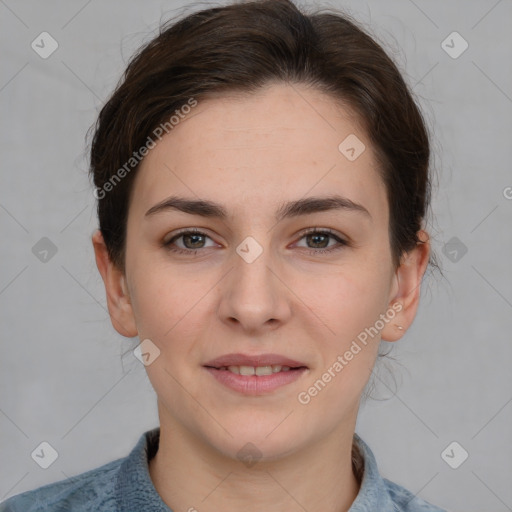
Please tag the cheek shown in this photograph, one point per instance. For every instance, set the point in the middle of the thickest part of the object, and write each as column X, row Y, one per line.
column 161, row 300
column 350, row 303
column 350, row 308
column 175, row 311
column 348, row 300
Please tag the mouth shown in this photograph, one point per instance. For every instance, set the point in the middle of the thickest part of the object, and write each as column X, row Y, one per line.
column 255, row 375
column 254, row 361
column 260, row 371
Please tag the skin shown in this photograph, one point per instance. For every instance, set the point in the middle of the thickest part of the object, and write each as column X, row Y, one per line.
column 251, row 154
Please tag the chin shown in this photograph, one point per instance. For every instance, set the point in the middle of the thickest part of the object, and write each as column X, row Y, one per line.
column 262, row 441
column 256, row 451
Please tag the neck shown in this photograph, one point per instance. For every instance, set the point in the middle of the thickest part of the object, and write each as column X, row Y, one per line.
column 190, row 476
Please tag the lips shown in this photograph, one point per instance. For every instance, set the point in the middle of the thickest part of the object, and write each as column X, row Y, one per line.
column 256, row 374
column 254, row 361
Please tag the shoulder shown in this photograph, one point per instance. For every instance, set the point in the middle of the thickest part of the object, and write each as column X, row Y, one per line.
column 406, row 501
column 122, row 484
column 90, row 491
column 378, row 493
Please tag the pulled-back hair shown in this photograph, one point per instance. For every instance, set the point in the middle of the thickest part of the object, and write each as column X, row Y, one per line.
column 240, row 48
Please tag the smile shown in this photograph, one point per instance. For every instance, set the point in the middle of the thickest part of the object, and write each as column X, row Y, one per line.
column 256, row 370
column 255, row 380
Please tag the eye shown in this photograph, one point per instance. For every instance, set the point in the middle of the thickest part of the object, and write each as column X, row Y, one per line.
column 320, row 237
column 193, row 239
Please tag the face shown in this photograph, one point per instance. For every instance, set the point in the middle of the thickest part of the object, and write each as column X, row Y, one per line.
column 261, row 276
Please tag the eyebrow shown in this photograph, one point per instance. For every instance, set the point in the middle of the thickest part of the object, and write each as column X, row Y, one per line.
column 306, row 206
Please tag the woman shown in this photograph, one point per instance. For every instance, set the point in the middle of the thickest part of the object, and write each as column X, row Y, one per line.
column 262, row 179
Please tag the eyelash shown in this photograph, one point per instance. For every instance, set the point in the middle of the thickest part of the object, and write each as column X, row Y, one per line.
column 192, row 252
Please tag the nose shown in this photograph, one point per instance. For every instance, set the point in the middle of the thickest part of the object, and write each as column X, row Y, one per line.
column 254, row 298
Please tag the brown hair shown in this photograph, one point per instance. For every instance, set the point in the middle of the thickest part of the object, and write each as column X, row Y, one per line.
column 240, row 48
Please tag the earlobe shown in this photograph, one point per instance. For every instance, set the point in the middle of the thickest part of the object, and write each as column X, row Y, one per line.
column 117, row 293
column 407, row 287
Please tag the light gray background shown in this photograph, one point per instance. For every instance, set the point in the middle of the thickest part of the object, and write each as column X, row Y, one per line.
column 63, row 379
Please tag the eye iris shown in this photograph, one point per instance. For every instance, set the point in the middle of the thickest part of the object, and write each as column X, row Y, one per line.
column 315, row 236
column 320, row 240
column 193, row 236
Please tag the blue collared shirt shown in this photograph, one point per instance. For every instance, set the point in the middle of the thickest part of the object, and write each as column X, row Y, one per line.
column 124, row 485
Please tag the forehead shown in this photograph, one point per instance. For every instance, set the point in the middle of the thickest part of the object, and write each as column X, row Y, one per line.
column 253, row 150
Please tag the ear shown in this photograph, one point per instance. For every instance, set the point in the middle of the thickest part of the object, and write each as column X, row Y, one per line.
column 118, row 298
column 405, row 295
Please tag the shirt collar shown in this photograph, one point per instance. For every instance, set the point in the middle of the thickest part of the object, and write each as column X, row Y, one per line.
column 373, row 493
column 134, row 488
